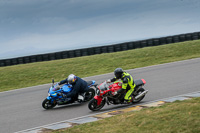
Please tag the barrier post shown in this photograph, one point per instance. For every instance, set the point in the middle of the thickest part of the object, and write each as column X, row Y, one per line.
column 14, row 61
column 130, row 45
column 117, row 47
column 96, row 50
column 26, row 59
column 176, row 39
column 45, row 57
column 8, row 62
column 188, row 37
column 71, row 54
column 20, row 60
column 124, row 46
column 150, row 42
column 143, row 44
column 58, row 55
column 182, row 38
column 104, row 49
column 169, row 40
column 84, row 52
column 195, row 36
column 156, row 42
column 77, row 53
column 64, row 54
column 137, row 44
column 33, row 59
column 163, row 40
column 39, row 58
column 2, row 63
column 52, row 56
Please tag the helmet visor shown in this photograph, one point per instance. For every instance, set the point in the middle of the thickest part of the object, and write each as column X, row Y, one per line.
column 71, row 81
column 118, row 75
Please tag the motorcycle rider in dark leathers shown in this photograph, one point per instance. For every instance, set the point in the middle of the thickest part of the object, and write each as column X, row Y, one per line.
column 79, row 87
column 128, row 84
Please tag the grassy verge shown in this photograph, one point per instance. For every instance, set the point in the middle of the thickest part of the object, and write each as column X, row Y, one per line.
column 19, row 76
column 180, row 116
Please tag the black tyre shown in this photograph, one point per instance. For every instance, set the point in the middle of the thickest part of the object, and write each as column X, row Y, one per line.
column 46, row 104
column 93, row 104
column 139, row 99
column 89, row 94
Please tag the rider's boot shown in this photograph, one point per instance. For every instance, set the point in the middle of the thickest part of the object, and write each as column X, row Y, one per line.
column 130, row 101
column 80, row 98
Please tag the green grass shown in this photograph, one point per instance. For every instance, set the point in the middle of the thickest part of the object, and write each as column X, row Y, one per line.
column 177, row 117
column 25, row 75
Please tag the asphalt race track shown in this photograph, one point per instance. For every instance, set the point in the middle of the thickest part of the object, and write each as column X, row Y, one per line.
column 21, row 109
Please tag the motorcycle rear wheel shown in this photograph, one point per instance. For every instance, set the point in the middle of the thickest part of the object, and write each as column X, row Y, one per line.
column 139, row 99
column 46, row 104
column 89, row 94
column 93, row 104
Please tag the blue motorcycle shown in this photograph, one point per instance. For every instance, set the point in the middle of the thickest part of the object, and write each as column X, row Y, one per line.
column 55, row 96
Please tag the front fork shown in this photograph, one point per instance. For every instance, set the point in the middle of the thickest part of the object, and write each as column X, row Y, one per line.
column 51, row 99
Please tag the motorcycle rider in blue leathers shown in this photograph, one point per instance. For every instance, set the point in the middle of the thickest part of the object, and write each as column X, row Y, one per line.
column 79, row 87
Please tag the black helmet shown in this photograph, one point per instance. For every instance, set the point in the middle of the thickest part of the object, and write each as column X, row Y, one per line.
column 118, row 73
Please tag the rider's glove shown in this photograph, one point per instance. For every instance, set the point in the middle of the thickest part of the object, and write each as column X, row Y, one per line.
column 108, row 81
column 69, row 86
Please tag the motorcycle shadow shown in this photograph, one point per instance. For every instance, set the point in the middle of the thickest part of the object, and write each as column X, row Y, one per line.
column 67, row 106
column 121, row 106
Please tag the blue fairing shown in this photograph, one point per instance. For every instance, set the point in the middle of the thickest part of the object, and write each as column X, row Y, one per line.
column 48, row 98
column 54, row 92
column 67, row 88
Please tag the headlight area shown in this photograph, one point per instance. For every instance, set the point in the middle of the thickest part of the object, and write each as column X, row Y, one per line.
column 49, row 94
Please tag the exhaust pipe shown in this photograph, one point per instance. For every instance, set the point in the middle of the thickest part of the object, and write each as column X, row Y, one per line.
column 142, row 94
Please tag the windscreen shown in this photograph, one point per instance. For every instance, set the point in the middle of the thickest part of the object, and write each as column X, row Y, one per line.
column 103, row 86
column 56, row 88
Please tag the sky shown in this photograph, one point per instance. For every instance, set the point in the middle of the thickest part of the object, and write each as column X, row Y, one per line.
column 30, row 27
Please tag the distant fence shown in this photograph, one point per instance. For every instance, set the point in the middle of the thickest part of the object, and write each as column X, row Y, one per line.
column 100, row 49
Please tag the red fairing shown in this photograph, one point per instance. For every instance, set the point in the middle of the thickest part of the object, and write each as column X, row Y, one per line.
column 99, row 99
column 143, row 81
column 115, row 87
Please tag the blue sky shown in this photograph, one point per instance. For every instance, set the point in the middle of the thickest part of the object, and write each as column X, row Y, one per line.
column 29, row 27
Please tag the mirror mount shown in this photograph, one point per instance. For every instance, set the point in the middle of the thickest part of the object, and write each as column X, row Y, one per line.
column 53, row 82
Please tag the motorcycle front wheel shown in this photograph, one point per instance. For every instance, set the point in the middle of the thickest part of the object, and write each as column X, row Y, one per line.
column 93, row 104
column 46, row 104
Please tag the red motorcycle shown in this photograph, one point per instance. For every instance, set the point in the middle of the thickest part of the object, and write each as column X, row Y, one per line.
column 108, row 94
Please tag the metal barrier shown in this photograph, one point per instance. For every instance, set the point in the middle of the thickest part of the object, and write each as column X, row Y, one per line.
column 101, row 49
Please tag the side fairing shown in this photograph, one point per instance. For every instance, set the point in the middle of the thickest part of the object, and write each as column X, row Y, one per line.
column 67, row 88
